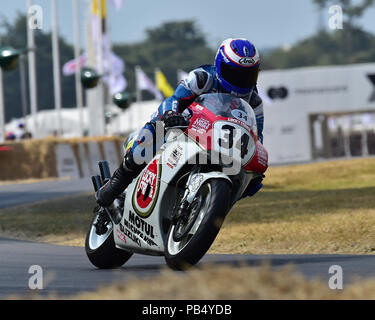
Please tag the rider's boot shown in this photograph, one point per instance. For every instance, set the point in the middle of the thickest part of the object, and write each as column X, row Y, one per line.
column 120, row 180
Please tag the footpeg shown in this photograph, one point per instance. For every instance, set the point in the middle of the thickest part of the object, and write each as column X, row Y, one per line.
column 115, row 213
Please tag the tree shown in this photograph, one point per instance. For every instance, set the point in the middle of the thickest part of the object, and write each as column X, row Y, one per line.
column 323, row 49
column 350, row 45
column 352, row 12
column 171, row 46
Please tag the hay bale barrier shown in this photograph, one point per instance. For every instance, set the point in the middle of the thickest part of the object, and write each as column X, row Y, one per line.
column 38, row 159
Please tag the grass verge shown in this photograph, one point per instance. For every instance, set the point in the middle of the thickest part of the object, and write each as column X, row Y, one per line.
column 63, row 221
column 225, row 283
column 314, row 208
column 29, row 181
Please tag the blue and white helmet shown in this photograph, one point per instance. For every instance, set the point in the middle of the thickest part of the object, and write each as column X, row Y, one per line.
column 237, row 66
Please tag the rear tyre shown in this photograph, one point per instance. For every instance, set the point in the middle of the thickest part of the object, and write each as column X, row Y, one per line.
column 101, row 249
column 185, row 248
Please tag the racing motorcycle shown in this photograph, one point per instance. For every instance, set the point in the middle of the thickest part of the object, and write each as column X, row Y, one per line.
column 177, row 205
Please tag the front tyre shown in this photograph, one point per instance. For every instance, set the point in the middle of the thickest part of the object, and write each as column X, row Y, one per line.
column 101, row 249
column 186, row 245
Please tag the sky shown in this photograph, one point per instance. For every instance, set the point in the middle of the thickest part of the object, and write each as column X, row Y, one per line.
column 267, row 23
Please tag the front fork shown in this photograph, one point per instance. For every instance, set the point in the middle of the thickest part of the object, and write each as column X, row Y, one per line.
column 195, row 181
column 187, row 199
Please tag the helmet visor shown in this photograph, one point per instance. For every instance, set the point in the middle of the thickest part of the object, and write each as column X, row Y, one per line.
column 240, row 77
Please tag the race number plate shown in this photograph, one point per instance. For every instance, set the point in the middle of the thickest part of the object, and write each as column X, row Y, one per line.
column 233, row 140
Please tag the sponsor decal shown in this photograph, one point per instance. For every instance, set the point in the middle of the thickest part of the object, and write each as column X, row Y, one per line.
column 141, row 225
column 121, row 236
column 201, row 125
column 175, row 157
column 137, row 229
column 283, row 93
column 322, row 90
column 130, row 235
column 147, row 190
column 241, row 123
column 278, row 93
column 246, row 61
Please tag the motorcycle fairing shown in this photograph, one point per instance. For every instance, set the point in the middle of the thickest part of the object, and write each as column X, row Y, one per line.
column 140, row 229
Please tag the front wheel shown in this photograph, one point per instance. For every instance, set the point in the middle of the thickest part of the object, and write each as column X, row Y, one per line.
column 188, row 242
column 101, row 249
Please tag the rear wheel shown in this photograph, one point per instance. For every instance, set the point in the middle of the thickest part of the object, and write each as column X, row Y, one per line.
column 190, row 238
column 101, row 249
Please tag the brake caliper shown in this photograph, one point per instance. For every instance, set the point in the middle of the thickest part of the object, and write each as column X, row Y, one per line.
column 102, row 221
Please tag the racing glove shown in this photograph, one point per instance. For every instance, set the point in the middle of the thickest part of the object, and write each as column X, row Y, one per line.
column 173, row 119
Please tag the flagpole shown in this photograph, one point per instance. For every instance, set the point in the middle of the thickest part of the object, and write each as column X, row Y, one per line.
column 77, row 57
column 95, row 96
column 100, row 90
column 2, row 109
column 56, row 66
column 23, row 87
column 138, row 90
column 156, row 77
column 91, row 61
column 32, row 73
column 108, row 54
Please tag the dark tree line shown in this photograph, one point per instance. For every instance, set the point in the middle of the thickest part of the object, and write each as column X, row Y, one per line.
column 352, row 44
column 171, row 46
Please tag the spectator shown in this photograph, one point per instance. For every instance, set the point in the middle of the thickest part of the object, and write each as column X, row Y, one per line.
column 10, row 136
column 21, row 132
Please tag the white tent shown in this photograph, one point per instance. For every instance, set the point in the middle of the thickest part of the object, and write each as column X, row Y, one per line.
column 121, row 122
column 48, row 123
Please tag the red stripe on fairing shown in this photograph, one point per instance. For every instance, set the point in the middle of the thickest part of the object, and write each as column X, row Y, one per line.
column 259, row 162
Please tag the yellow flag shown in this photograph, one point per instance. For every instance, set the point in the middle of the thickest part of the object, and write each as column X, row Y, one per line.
column 163, row 85
column 95, row 7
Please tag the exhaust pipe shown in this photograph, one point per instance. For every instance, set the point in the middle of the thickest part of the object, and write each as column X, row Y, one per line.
column 96, row 182
column 105, row 172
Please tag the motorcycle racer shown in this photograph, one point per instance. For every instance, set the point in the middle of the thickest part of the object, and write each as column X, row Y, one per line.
column 235, row 72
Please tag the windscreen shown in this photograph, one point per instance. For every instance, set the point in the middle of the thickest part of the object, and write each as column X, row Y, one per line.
column 226, row 105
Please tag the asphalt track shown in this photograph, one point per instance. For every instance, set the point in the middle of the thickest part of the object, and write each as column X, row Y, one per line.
column 17, row 194
column 67, row 271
